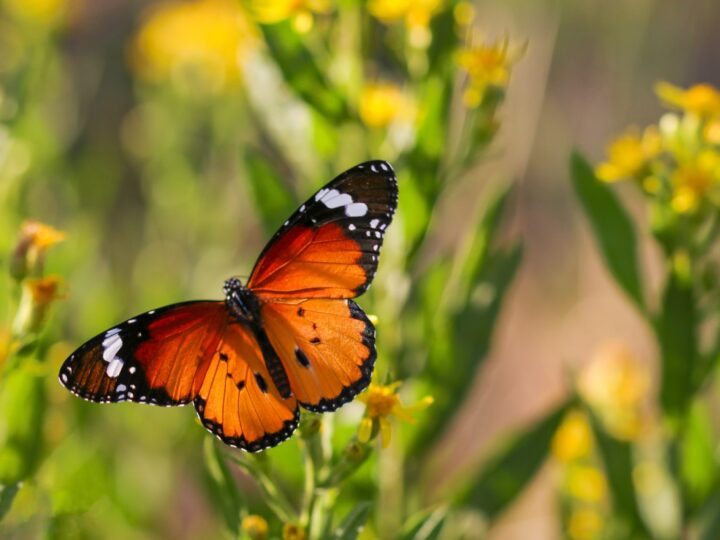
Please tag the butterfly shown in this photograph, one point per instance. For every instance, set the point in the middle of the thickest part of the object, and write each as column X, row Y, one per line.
column 290, row 337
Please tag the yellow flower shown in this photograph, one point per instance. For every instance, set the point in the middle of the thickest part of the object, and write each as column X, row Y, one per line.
column 416, row 14
column 617, row 386
column 701, row 99
column 37, row 297
column 573, row 439
column 584, row 524
column 293, row 532
column 41, row 12
column 586, row 483
column 198, row 43
column 382, row 104
column 629, row 154
column 29, row 253
column 300, row 11
column 693, row 181
column 487, row 65
column 255, row 526
column 382, row 402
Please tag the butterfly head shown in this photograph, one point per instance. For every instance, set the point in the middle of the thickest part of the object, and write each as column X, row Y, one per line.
column 242, row 302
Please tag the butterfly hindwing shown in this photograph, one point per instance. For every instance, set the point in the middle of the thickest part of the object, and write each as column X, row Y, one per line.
column 158, row 357
column 327, row 347
column 329, row 247
column 238, row 400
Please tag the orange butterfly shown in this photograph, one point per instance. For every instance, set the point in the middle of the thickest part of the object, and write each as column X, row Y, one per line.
column 291, row 337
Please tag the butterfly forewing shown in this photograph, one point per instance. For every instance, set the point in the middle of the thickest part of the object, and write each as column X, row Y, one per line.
column 329, row 247
column 158, row 357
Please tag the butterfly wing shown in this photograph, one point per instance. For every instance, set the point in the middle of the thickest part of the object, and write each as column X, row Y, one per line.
column 329, row 247
column 159, row 357
column 327, row 347
column 238, row 400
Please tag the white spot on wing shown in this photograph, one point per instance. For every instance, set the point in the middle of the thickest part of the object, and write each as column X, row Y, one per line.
column 341, row 199
column 356, row 210
column 120, row 388
column 374, row 223
column 320, row 194
column 112, row 332
column 383, row 167
column 63, row 377
column 115, row 367
column 131, row 369
column 131, row 321
column 111, row 346
column 351, row 227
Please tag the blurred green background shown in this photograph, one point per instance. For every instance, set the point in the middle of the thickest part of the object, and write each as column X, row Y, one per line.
column 168, row 140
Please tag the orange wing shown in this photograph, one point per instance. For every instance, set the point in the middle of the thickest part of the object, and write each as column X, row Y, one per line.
column 238, row 400
column 327, row 348
column 159, row 357
column 329, row 247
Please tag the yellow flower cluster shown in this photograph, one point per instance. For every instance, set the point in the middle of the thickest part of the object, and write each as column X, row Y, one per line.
column 584, row 485
column 416, row 14
column 382, row 403
column 300, row 12
column 617, row 387
column 677, row 161
column 194, row 44
column 487, row 65
column 384, row 104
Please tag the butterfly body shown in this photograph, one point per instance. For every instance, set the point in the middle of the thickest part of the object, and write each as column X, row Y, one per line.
column 292, row 336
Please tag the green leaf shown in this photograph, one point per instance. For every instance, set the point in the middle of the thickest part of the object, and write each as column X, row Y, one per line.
column 617, row 458
column 7, row 496
column 301, row 72
column 22, row 411
column 698, row 462
column 676, row 334
column 426, row 526
column 272, row 198
column 353, row 523
column 509, row 470
column 612, row 227
column 222, row 486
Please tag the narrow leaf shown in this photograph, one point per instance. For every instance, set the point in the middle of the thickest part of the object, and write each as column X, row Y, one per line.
column 511, row 469
column 612, row 227
column 353, row 523
column 7, row 496
column 273, row 198
column 301, row 72
column 427, row 526
column 222, row 486
column 676, row 334
column 617, row 458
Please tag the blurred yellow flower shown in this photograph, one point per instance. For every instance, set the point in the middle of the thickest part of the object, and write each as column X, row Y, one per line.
column 255, row 526
column 34, row 240
column 701, row 99
column 37, row 297
column 293, row 532
column 197, row 44
column 416, row 14
column 300, row 11
column 382, row 402
column 586, row 483
column 617, row 386
column 629, row 154
column 41, row 12
column 584, row 524
column 573, row 439
column 487, row 65
column 382, row 104
column 692, row 181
